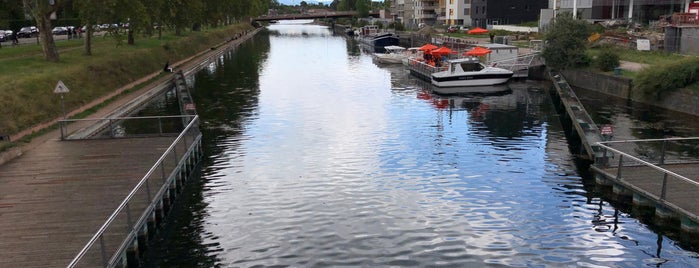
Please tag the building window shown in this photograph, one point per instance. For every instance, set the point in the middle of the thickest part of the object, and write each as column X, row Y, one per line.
column 467, row 11
column 467, row 1
column 451, row 2
column 451, row 12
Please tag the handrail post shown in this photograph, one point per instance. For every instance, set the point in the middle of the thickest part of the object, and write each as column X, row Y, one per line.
column 128, row 217
column 162, row 168
column 103, row 252
column 62, row 124
column 662, row 153
column 148, row 190
column 618, row 171
column 111, row 128
column 663, row 191
column 160, row 126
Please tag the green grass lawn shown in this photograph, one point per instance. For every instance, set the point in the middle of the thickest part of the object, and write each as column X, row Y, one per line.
column 26, row 91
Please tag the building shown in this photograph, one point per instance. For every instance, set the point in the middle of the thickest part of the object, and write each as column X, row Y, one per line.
column 425, row 11
column 642, row 11
column 496, row 12
column 458, row 12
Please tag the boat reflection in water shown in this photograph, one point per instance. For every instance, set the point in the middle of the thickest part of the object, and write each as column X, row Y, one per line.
column 498, row 113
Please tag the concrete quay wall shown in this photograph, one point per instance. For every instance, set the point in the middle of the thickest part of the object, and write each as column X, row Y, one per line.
column 682, row 100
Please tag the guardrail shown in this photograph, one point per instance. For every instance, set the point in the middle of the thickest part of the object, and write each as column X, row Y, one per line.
column 122, row 127
column 108, row 246
column 647, row 158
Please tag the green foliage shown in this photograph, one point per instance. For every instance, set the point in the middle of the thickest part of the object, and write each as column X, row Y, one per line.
column 607, row 60
column 566, row 43
column 26, row 97
column 665, row 78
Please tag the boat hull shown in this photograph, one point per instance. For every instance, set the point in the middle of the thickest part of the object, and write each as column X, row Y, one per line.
column 467, row 80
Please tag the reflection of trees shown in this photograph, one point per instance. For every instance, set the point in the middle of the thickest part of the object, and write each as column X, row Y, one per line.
column 227, row 96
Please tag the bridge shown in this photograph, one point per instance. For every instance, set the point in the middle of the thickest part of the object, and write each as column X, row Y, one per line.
column 319, row 15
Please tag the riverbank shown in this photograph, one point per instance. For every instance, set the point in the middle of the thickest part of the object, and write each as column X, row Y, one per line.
column 105, row 105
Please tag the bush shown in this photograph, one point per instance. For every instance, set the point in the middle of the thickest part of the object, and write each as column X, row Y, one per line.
column 665, row 78
column 607, row 60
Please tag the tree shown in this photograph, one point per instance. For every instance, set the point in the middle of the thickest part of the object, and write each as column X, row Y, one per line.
column 566, row 42
column 363, row 7
column 41, row 12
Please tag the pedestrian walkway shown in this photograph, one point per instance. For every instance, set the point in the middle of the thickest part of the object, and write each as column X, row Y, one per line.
column 55, row 195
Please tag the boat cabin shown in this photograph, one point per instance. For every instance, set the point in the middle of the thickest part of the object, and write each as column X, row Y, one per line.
column 469, row 64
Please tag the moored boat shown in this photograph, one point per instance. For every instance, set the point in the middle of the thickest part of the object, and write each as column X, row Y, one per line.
column 394, row 54
column 465, row 72
column 370, row 36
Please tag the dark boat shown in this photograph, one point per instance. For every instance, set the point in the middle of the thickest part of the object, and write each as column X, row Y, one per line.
column 369, row 35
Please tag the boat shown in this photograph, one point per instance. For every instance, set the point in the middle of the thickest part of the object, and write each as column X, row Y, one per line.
column 469, row 71
column 394, row 54
column 370, row 36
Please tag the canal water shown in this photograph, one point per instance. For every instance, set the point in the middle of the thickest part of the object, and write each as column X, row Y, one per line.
column 315, row 156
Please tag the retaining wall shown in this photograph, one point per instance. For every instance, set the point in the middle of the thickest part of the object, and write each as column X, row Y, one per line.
column 682, row 100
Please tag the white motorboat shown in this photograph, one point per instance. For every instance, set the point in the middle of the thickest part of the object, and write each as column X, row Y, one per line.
column 465, row 72
column 394, row 54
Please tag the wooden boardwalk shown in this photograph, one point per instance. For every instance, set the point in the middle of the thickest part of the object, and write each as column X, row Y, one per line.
column 649, row 181
column 56, row 196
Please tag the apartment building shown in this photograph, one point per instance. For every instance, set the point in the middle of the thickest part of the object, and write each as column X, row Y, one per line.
column 458, row 12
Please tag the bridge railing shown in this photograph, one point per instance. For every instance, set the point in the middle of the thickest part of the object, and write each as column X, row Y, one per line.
column 633, row 161
column 122, row 127
column 108, row 246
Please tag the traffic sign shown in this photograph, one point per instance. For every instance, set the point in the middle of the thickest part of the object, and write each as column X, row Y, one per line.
column 607, row 130
column 61, row 88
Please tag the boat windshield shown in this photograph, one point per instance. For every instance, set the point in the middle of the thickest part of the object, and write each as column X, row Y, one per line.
column 471, row 67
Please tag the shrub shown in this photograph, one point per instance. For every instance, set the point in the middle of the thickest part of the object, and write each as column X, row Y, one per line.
column 607, row 60
column 665, row 78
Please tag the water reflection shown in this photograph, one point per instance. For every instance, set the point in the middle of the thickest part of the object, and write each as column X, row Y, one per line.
column 318, row 157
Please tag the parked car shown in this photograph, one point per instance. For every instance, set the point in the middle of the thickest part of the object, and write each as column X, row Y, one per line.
column 27, row 32
column 453, row 29
column 59, row 30
column 2, row 36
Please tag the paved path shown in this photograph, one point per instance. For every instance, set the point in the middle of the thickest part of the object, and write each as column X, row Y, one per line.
column 632, row 66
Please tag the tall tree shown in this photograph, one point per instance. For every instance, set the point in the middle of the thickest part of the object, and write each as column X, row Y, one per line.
column 566, row 42
column 90, row 11
column 41, row 11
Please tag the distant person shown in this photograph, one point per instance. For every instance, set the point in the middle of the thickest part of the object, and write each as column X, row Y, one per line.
column 167, row 67
column 492, row 37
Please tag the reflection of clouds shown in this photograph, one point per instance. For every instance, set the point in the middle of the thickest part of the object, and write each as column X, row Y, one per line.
column 338, row 169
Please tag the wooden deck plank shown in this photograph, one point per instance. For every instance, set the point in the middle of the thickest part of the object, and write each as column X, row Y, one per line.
column 54, row 198
column 679, row 193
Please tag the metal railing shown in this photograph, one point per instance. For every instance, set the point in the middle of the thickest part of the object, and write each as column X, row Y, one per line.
column 114, row 237
column 121, row 127
column 637, row 160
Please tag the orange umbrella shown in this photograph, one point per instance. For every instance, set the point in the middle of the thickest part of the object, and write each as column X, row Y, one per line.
column 441, row 51
column 478, row 51
column 427, row 47
column 477, row 30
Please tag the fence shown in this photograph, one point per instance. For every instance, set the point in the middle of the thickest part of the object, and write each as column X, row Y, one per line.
column 122, row 127
column 654, row 168
column 108, row 246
